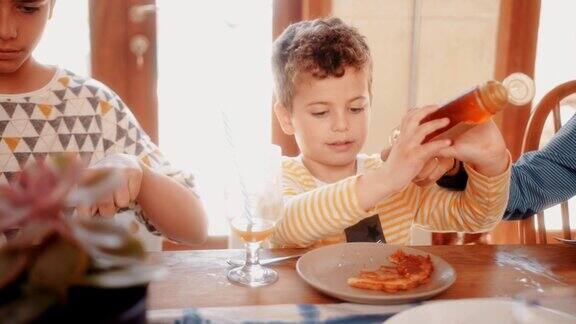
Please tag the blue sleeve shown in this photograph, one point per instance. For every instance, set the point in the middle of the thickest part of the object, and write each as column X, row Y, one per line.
column 546, row 177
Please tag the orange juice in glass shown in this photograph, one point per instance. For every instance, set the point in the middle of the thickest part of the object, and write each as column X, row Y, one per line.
column 258, row 204
column 253, row 232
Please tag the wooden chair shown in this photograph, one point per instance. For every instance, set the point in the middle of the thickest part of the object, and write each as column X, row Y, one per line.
column 550, row 103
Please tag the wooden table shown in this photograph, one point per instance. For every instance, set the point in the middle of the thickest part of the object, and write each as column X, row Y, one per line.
column 198, row 278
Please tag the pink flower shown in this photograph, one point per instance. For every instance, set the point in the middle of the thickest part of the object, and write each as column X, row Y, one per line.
column 39, row 192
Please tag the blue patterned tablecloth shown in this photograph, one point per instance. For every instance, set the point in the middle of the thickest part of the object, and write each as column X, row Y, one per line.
column 287, row 313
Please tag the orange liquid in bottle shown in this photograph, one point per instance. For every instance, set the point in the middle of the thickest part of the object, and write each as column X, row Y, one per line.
column 257, row 231
column 472, row 108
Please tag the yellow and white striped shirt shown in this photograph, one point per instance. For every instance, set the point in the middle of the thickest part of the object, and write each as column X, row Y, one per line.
column 316, row 214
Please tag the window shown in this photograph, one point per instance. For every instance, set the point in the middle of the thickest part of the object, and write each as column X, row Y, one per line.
column 213, row 57
column 66, row 40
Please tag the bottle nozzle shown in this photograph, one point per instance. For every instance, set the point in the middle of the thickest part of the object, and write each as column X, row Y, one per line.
column 520, row 88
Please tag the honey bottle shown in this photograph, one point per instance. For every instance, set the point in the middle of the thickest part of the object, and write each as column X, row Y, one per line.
column 479, row 105
column 472, row 108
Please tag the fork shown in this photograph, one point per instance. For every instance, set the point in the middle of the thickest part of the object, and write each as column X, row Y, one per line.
column 567, row 241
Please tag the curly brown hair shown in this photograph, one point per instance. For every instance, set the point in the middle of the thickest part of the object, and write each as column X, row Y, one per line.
column 321, row 47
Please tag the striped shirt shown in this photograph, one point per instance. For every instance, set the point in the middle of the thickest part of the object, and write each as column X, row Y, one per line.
column 546, row 177
column 316, row 214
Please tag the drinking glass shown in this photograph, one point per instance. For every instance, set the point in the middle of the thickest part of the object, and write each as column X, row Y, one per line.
column 253, row 217
column 253, row 232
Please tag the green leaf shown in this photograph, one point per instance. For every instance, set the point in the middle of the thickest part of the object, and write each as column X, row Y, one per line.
column 101, row 233
column 59, row 264
column 130, row 247
column 109, row 244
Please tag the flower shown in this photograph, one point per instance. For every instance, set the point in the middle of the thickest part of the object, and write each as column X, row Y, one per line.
column 53, row 251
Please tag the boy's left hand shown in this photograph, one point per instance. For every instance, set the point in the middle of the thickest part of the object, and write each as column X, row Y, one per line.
column 483, row 147
column 433, row 170
column 126, row 192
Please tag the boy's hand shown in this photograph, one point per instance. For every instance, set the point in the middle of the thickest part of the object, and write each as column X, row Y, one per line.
column 483, row 147
column 126, row 192
column 408, row 155
column 433, row 170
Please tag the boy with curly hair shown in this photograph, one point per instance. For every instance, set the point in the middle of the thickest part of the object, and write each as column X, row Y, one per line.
column 323, row 78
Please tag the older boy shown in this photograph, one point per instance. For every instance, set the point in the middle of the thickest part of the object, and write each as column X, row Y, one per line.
column 323, row 75
column 46, row 110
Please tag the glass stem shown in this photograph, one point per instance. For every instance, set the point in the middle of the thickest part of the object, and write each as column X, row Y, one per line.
column 252, row 257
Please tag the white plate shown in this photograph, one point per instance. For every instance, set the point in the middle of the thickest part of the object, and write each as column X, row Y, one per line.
column 478, row 310
column 327, row 269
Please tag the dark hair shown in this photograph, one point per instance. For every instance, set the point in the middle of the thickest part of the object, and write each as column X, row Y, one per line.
column 321, row 47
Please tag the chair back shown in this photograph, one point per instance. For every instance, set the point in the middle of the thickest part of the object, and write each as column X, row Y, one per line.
column 550, row 104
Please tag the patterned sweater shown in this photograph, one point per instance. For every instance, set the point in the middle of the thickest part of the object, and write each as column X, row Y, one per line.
column 76, row 114
column 317, row 214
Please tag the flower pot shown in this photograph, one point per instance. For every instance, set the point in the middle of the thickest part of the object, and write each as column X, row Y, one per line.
column 99, row 305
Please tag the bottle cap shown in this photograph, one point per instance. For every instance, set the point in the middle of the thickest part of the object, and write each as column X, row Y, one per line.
column 520, row 88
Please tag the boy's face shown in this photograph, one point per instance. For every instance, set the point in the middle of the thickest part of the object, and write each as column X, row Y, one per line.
column 329, row 117
column 21, row 25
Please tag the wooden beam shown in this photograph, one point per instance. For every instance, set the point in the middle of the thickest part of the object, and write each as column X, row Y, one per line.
column 113, row 63
column 516, row 52
column 143, row 82
column 285, row 13
column 107, row 42
column 312, row 9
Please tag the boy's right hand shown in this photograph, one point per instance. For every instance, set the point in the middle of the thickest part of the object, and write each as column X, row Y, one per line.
column 408, row 155
column 130, row 172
